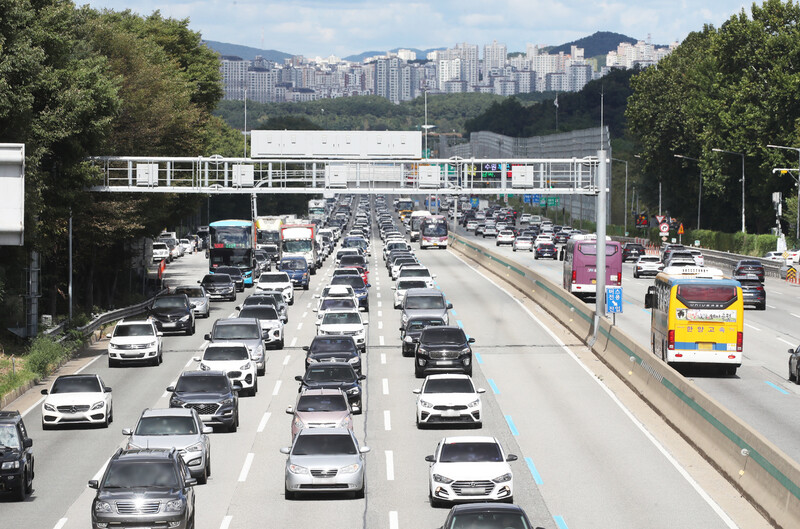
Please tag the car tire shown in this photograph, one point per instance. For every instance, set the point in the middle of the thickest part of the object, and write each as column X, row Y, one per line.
column 289, row 495
column 22, row 491
column 190, row 330
column 305, row 287
column 233, row 427
column 208, row 313
column 291, row 301
column 280, row 345
column 468, row 371
column 203, row 478
column 635, row 275
column 434, row 502
column 792, row 375
column 536, row 256
column 763, row 306
column 418, row 371
column 513, row 249
column 112, row 364
column 797, row 376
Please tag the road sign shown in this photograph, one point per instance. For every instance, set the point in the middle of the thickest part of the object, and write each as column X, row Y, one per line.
column 473, row 201
column 680, row 229
column 614, row 300
column 553, row 201
column 663, row 228
column 536, row 198
column 660, row 218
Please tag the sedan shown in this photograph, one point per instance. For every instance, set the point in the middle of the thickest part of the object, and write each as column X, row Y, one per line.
column 449, row 398
column 489, row 231
column 198, row 297
column 77, row 399
column 505, row 237
column 523, row 243
column 321, row 408
column 545, row 251
column 487, row 516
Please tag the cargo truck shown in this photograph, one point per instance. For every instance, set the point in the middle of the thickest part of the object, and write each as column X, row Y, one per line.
column 298, row 240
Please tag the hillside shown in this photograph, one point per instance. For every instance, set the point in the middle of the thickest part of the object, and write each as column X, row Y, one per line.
column 599, row 43
column 245, row 52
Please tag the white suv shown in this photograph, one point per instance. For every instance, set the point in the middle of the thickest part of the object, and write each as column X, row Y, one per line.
column 344, row 322
column 134, row 341
column 277, row 282
column 449, row 398
column 160, row 252
column 234, row 359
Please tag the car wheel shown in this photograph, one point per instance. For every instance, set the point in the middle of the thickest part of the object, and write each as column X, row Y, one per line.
column 434, row 502
column 190, row 332
column 208, row 313
column 514, row 250
column 536, row 256
column 763, row 306
column 234, row 426
column 792, row 376
column 305, row 287
column 291, row 301
column 359, row 494
column 112, row 363
column 419, row 372
column 468, row 371
column 797, row 376
column 288, row 494
column 203, row 478
column 635, row 275
column 280, row 343
column 22, row 490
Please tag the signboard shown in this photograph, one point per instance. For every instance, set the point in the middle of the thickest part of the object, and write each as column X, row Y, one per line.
column 536, row 198
column 341, row 143
column 660, row 218
column 614, row 300
column 680, row 229
column 473, row 201
column 553, row 202
column 663, row 228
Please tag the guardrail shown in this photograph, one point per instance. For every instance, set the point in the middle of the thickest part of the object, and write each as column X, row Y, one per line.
column 764, row 474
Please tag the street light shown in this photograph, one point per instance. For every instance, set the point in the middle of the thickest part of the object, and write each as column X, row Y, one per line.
column 624, row 214
column 744, row 230
column 797, row 222
column 244, row 133
column 426, row 126
column 700, row 190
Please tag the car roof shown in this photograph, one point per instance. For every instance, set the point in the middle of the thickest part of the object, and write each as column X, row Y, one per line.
column 470, row 439
column 487, row 507
column 236, row 321
column 145, row 454
column 411, row 292
column 232, row 343
column 167, row 412
column 209, row 373
column 441, row 376
column 11, row 416
column 323, row 392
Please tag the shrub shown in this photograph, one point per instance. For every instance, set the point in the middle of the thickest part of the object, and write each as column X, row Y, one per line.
column 43, row 354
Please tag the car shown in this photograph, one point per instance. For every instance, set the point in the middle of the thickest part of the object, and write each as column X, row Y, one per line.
column 271, row 324
column 679, row 255
column 173, row 313
column 353, row 260
column 631, row 251
column 775, row 256
column 667, row 248
column 647, row 265
column 479, row 229
column 449, row 398
column 235, row 273
column 545, row 250
column 698, row 257
column 321, row 408
column 175, row 427
column 333, row 349
column 562, row 237
column 241, row 330
column 17, row 464
column 73, row 399
column 490, row 230
column 336, row 291
column 358, row 286
column 398, row 264
column 198, row 297
column 505, row 236
column 134, row 341
column 144, row 488
column 161, row 252
column 443, row 349
column 344, row 322
column 425, row 303
column 233, row 359
column 324, row 460
column 469, row 469
column 277, row 282
column 522, row 243
column 753, row 292
column 187, row 245
column 298, row 270
column 794, row 365
column 211, row 393
column 525, row 218
column 335, row 304
column 543, row 238
column 749, row 266
column 487, row 516
column 271, row 251
column 418, row 272
column 401, row 287
column 219, row 287
column 333, row 375
column 409, row 335
column 472, row 225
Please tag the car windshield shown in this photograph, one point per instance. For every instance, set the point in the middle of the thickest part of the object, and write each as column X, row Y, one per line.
column 344, row 373
column 238, row 331
column 169, row 303
column 353, row 281
column 203, row 384
column 351, row 260
column 449, row 385
column 273, row 278
column 141, row 474
column 341, row 318
column 9, row 436
column 649, row 259
column 192, row 292
column 76, row 385
column 167, row 425
column 443, row 336
column 293, row 264
column 221, row 353
column 159, row 246
column 216, row 279
column 230, row 270
column 259, row 300
column 332, row 344
column 425, row 302
column 405, row 285
column 469, row 452
column 337, row 303
column 418, row 325
column 488, row 520
column 324, row 445
column 143, row 329
column 311, row 403
column 415, row 272
column 264, row 312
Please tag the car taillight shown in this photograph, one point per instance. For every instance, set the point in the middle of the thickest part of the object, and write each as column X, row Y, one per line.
column 574, row 276
column 739, row 340
column 671, row 340
column 619, row 278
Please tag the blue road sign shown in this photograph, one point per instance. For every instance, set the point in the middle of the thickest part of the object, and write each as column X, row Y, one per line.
column 473, row 201
column 536, row 199
column 614, row 299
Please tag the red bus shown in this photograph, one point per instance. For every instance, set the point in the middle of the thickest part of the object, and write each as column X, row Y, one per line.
column 580, row 265
column 433, row 232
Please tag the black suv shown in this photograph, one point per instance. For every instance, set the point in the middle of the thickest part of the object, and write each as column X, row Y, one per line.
column 211, row 393
column 173, row 312
column 443, row 349
column 333, row 349
column 413, row 329
column 333, row 375
column 235, row 273
column 219, row 286
column 752, row 291
column 148, row 487
column 16, row 456
column 749, row 266
column 631, row 251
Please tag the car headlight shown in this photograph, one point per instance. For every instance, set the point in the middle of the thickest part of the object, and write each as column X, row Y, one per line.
column 49, row 407
column 404, row 317
column 227, row 402
column 131, row 446
column 245, row 367
column 311, row 360
column 112, row 345
column 354, row 360
column 345, row 423
column 425, row 404
column 353, row 391
column 350, row 469
column 10, row 465
column 98, row 405
column 297, row 469
column 421, row 350
column 174, row 506
column 151, row 344
column 466, row 350
column 102, row 506
column 298, row 423
column 438, row 478
column 186, row 318
column 503, row 479
column 204, row 367
column 197, row 447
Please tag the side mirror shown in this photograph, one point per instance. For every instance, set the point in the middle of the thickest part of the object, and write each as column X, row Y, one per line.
column 236, row 387
column 364, row 449
column 286, row 450
column 27, row 443
column 449, row 305
column 238, row 307
column 306, row 348
column 356, row 410
column 791, row 351
column 94, row 484
column 198, row 281
column 316, row 296
column 471, row 340
column 561, row 254
column 649, row 298
column 127, row 431
column 44, row 392
column 362, row 377
column 108, row 335
column 171, row 389
column 190, row 482
column 207, row 337
column 430, row 459
column 365, row 322
column 511, row 457
column 290, row 410
column 106, row 389
column 298, row 378
column 368, row 285
column 416, row 391
column 314, row 310
column 207, row 430
column 159, row 333
column 480, row 391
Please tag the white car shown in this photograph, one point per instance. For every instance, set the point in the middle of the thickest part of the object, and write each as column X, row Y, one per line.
column 505, row 237
column 697, row 255
column 525, row 218
column 134, row 341
column 272, row 325
column 394, row 244
column 336, row 291
column 77, row 399
column 187, row 245
column 160, row 252
column 523, row 243
column 471, row 225
column 647, row 265
column 402, row 286
column 344, row 322
column 417, row 272
column 277, row 282
column 541, row 238
column 470, row 469
column 335, row 304
column 449, row 398
column 234, row 359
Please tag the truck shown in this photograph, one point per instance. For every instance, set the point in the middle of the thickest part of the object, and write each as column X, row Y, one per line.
column 268, row 231
column 298, row 240
column 316, row 210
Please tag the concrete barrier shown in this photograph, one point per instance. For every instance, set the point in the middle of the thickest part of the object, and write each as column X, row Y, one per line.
column 765, row 475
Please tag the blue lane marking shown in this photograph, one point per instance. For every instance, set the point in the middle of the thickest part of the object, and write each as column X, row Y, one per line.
column 458, row 322
column 511, row 425
column 626, row 301
column 454, row 312
column 535, row 473
column 493, row 386
column 774, row 386
column 646, row 311
column 560, row 522
column 477, row 356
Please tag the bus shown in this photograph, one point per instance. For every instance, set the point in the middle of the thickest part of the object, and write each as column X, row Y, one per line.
column 696, row 317
column 433, row 232
column 415, row 222
column 580, row 265
column 232, row 244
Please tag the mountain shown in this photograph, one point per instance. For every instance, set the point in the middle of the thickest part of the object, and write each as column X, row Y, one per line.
column 599, row 43
column 361, row 56
column 245, row 52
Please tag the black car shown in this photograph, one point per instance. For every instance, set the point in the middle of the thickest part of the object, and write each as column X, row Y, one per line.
column 333, row 349
column 561, row 237
column 443, row 349
column 211, row 393
column 333, row 375
column 219, row 286
column 235, row 273
column 545, row 250
column 487, row 516
column 749, row 266
column 414, row 327
column 173, row 313
column 16, row 456
column 753, row 291
column 272, row 252
column 631, row 251
column 144, row 488
column 357, row 283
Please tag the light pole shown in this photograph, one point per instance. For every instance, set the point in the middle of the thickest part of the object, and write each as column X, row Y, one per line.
column 244, row 133
column 624, row 214
column 700, row 190
column 426, row 126
column 744, row 229
column 797, row 222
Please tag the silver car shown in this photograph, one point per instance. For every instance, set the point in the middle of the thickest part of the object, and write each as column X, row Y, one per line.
column 198, row 297
column 175, row 427
column 245, row 330
column 324, row 460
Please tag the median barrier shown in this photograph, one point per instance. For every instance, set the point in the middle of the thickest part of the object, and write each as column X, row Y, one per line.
column 764, row 474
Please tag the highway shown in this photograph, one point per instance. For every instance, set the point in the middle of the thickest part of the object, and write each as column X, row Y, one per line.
column 584, row 459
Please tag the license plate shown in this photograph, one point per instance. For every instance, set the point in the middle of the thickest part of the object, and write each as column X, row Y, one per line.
column 451, row 413
column 705, row 346
column 436, row 243
column 444, row 362
column 169, row 324
column 472, row 491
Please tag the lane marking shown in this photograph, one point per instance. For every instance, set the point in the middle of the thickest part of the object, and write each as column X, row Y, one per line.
column 385, row 386
column 277, row 387
column 770, row 307
column 226, row 522
column 309, row 305
column 380, row 325
column 286, row 359
column 293, row 342
column 380, row 340
column 378, row 294
column 387, row 420
column 511, row 425
column 785, row 341
column 458, row 322
column 795, row 315
column 494, row 387
column 754, row 328
column 535, row 473
column 380, row 304
column 61, row 523
column 478, row 357
column 383, row 358
column 299, row 325
column 246, row 468
column 389, row 465
column 560, row 522
column 380, row 314
column 394, row 523
column 35, row 405
column 263, row 423
column 775, row 386
column 102, row 471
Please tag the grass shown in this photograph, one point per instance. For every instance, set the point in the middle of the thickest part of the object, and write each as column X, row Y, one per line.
column 12, row 377
column 42, row 356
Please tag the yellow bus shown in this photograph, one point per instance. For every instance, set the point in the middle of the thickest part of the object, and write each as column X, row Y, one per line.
column 697, row 317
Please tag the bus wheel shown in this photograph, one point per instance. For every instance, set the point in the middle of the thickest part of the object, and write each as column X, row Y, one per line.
column 729, row 371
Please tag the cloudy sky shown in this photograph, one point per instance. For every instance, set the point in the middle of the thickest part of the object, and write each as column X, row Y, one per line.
column 344, row 27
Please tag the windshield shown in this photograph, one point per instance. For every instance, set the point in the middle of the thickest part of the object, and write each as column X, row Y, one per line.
column 353, row 281
column 169, row 303
column 293, row 264
column 230, row 270
column 488, row 520
column 351, row 260
column 405, row 285
column 216, row 278
column 338, row 303
column 141, row 474
column 311, row 403
column 323, row 445
column 343, row 373
column 354, row 242
column 192, row 292
column 203, row 384
column 160, row 246
column 418, row 325
column 591, row 249
column 444, row 336
column 259, row 313
column 274, row 278
column 707, row 293
column 231, row 236
column 449, row 385
column 259, row 300
column 425, row 302
column 9, row 436
column 297, row 246
column 239, row 331
column 415, row 272
column 470, row 453
column 76, row 385
column 144, row 329
column 341, row 318
column 333, row 344
column 224, row 353
column 169, row 425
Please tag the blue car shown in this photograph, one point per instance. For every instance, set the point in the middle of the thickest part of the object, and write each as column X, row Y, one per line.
column 298, row 270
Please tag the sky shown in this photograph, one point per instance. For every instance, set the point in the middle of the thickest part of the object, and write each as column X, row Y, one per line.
column 345, row 27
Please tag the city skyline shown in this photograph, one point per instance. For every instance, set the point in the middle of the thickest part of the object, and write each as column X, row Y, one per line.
column 332, row 27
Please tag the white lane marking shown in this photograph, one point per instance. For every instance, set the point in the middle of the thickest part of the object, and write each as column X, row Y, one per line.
column 380, row 304
column 232, row 314
column 754, row 328
column 226, row 522
column 246, row 468
column 380, row 340
column 309, row 305
column 299, row 325
column 770, row 307
column 786, row 342
column 35, row 405
column 795, row 315
column 305, row 314
column 383, row 358
column 387, row 420
column 378, row 294
column 385, row 382
column 380, row 325
column 286, row 359
column 293, row 342
column 380, row 314
column 61, row 523
column 389, row 465
column 394, row 523
column 277, row 387
column 263, row 423
column 190, row 362
column 95, row 359
column 682, row 471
